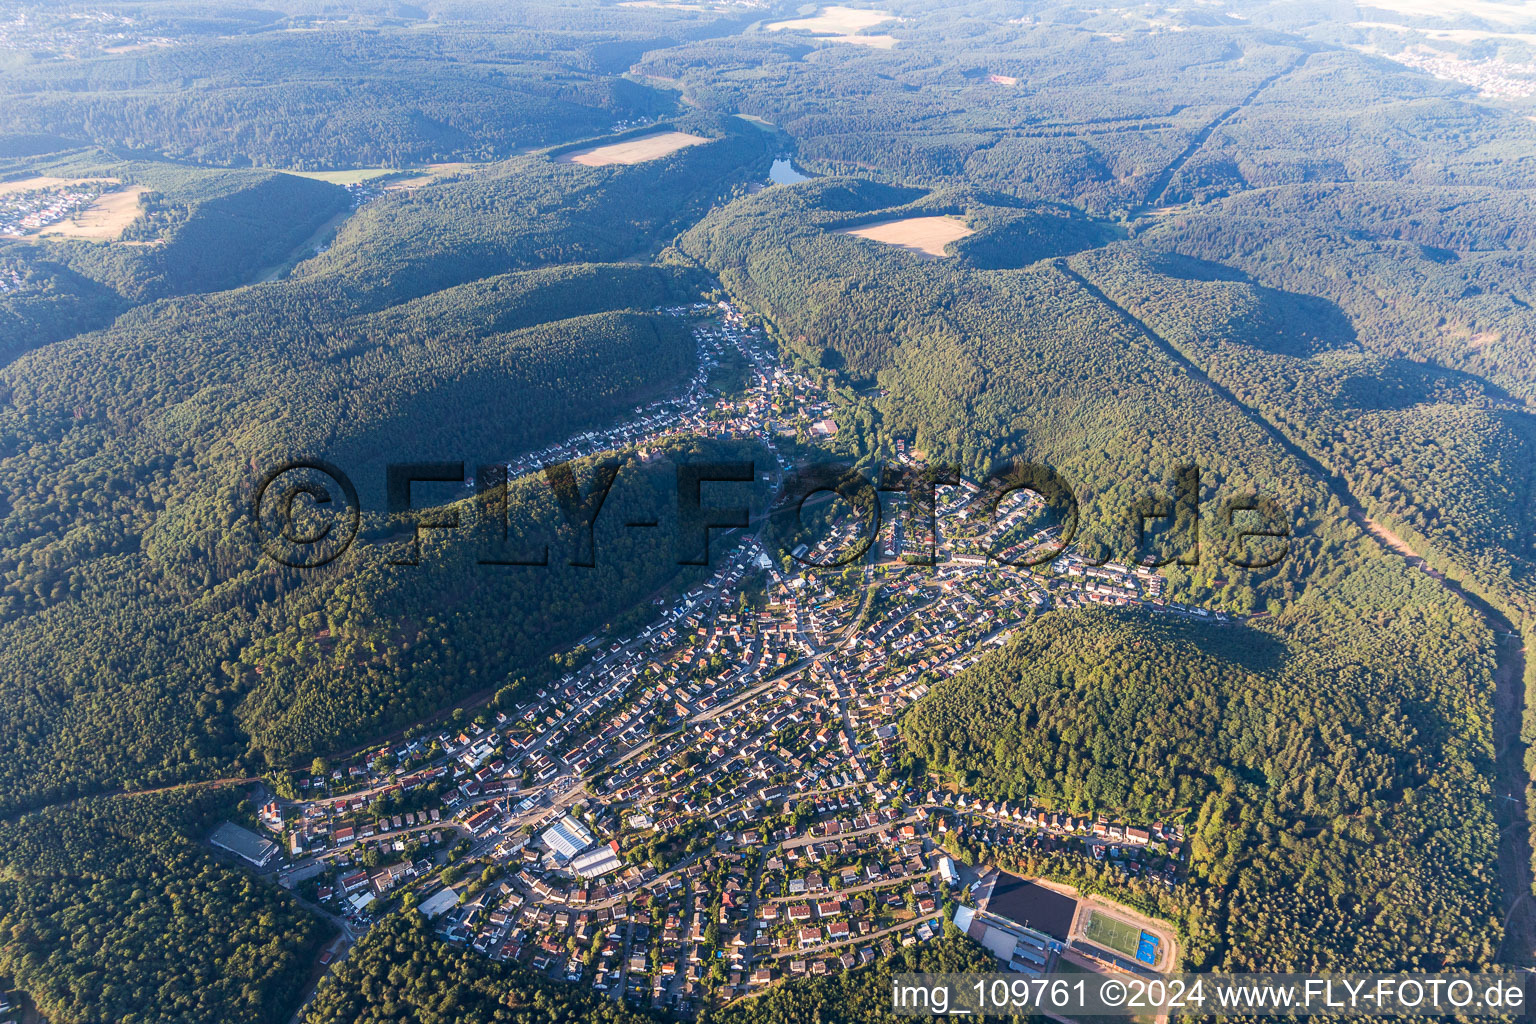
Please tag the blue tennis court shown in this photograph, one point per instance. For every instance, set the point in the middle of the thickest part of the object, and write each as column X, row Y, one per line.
column 1146, row 949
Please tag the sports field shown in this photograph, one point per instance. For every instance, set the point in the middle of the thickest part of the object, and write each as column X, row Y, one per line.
column 1112, row 933
column 925, row 237
column 634, row 151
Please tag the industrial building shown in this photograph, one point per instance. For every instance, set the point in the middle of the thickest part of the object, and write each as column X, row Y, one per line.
column 244, row 843
column 567, row 837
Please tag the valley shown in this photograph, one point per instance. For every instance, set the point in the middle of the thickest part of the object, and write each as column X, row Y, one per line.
column 661, row 511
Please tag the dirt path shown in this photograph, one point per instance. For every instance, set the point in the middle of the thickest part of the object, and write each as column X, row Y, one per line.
column 305, row 249
column 107, row 793
column 1518, row 947
column 1160, row 186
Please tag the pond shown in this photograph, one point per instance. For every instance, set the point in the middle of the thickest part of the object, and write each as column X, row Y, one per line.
column 783, row 172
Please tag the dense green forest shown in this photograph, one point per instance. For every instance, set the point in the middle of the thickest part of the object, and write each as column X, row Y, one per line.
column 113, row 909
column 1430, row 274
column 1319, row 762
column 384, row 100
column 130, row 455
column 1091, row 120
column 1445, row 454
column 1100, row 108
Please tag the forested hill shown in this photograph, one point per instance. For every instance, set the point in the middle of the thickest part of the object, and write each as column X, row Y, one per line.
column 1344, row 739
column 384, row 99
column 537, row 211
column 1110, row 109
column 197, row 231
column 1443, row 455
column 849, row 303
column 113, row 909
column 985, row 366
column 130, row 455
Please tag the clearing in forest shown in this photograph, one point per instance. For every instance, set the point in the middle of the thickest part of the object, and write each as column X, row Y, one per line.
column 103, row 220
column 408, row 181
column 839, row 25
column 634, row 151
column 350, row 176
column 924, row 237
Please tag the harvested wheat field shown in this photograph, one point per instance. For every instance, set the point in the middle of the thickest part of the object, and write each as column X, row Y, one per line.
column 924, row 237
column 839, row 25
column 634, row 151
column 103, row 220
column 351, row 176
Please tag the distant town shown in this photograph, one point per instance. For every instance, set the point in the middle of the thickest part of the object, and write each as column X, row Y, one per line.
column 1492, row 77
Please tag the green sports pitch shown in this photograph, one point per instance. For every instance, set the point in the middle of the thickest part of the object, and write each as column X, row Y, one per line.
column 1112, row 933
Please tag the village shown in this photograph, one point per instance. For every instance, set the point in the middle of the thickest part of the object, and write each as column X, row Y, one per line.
column 25, row 212
column 690, row 814
column 1492, row 77
column 67, row 34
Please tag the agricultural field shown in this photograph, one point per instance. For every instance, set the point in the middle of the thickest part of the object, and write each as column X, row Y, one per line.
column 102, row 221
column 634, row 151
column 840, row 25
column 924, row 237
column 351, row 176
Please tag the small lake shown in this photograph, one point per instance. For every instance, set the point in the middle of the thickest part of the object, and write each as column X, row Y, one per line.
column 783, row 172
